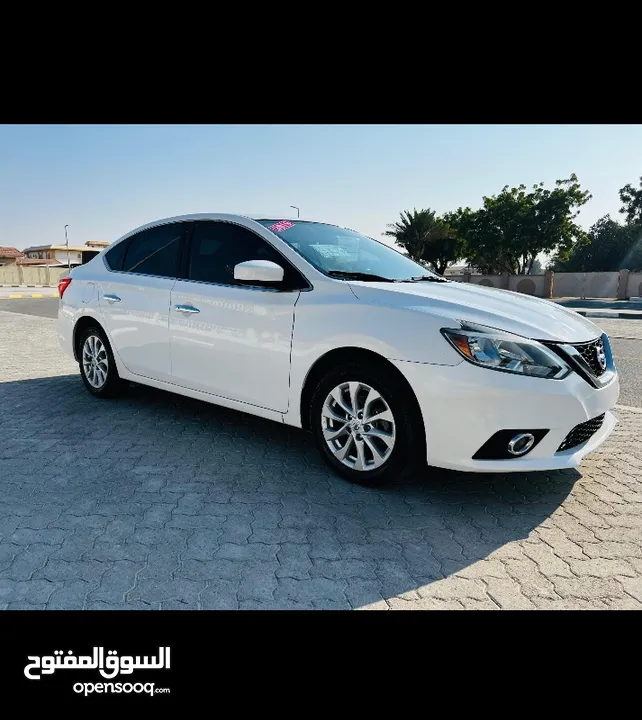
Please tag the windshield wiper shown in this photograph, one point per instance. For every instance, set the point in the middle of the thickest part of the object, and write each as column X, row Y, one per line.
column 426, row 278
column 346, row 275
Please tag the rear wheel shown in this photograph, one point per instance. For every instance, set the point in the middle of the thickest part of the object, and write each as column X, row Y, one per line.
column 97, row 365
column 365, row 424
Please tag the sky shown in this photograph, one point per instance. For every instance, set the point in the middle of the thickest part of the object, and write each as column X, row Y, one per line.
column 105, row 180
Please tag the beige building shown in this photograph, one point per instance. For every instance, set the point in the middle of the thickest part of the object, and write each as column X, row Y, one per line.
column 53, row 255
column 9, row 255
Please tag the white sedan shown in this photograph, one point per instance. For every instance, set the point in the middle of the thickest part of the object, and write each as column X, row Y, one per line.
column 389, row 365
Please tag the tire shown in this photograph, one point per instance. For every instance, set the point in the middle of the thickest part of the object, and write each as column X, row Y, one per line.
column 112, row 385
column 399, row 452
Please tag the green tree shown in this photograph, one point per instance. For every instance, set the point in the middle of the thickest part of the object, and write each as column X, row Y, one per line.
column 512, row 228
column 426, row 238
column 609, row 247
column 631, row 203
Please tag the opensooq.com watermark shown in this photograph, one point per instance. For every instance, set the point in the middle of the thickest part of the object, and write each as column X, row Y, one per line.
column 117, row 688
column 109, row 664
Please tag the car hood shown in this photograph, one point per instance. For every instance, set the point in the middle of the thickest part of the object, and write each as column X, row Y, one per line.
column 510, row 311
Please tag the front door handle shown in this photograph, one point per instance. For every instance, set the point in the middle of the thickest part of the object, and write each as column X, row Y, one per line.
column 112, row 298
column 186, row 309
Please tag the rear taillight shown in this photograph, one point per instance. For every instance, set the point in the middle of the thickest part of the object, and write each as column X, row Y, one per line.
column 63, row 284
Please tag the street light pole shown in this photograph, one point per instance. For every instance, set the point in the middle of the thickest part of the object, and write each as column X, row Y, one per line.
column 67, row 245
column 298, row 214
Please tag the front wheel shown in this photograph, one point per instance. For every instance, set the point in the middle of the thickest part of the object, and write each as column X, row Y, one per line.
column 365, row 424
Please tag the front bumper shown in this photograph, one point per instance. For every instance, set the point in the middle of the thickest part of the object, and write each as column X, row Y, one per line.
column 464, row 405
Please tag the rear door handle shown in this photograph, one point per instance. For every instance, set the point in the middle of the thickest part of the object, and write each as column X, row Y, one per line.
column 186, row 309
column 112, row 298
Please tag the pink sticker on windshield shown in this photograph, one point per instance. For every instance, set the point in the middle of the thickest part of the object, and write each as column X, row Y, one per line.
column 281, row 226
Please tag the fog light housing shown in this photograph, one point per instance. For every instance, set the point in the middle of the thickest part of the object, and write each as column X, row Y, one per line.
column 521, row 443
column 509, row 444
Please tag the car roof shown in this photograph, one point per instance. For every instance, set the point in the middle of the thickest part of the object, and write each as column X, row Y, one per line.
column 243, row 216
column 212, row 216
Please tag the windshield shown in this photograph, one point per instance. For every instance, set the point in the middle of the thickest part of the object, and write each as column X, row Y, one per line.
column 336, row 251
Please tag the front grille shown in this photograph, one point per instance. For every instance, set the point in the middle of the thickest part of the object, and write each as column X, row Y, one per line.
column 581, row 433
column 590, row 352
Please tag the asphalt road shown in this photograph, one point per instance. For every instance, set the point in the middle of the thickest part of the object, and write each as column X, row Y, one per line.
column 602, row 304
column 41, row 307
column 628, row 357
column 626, row 338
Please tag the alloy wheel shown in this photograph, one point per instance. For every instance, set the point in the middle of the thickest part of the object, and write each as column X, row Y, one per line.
column 358, row 426
column 95, row 361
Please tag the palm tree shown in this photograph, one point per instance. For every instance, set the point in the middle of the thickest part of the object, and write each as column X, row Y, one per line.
column 426, row 238
column 411, row 231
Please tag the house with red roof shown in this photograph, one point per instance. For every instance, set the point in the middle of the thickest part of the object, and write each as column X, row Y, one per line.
column 9, row 255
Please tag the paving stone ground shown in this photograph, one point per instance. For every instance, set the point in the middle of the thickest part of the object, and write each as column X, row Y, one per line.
column 157, row 501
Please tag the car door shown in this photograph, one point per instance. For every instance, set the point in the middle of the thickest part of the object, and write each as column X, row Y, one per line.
column 134, row 299
column 228, row 338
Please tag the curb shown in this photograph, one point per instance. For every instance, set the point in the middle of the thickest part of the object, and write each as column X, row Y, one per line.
column 605, row 314
column 29, row 296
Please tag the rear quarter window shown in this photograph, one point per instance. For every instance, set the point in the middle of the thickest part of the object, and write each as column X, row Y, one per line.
column 114, row 256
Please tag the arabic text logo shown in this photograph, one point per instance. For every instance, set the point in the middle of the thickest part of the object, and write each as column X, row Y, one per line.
column 108, row 664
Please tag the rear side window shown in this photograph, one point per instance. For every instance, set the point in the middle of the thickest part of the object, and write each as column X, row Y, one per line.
column 116, row 255
column 156, row 251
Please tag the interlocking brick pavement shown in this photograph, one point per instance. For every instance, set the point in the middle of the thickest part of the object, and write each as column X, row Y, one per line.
column 157, row 501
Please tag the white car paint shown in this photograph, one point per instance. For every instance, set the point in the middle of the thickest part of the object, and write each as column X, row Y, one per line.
column 252, row 349
column 261, row 270
column 237, row 346
column 138, row 322
column 462, row 407
column 513, row 312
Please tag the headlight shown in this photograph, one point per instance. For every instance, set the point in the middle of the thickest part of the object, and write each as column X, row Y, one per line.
column 497, row 350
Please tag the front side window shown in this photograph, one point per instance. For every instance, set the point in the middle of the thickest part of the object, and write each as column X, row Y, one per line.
column 218, row 246
column 156, row 251
column 336, row 251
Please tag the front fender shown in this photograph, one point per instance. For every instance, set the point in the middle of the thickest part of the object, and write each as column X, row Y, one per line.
column 394, row 333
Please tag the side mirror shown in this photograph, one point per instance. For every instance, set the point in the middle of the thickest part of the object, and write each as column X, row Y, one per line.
column 258, row 271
